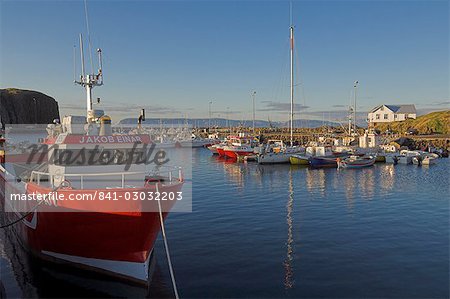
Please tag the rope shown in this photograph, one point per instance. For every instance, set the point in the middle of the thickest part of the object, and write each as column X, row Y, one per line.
column 89, row 35
column 30, row 212
column 166, row 247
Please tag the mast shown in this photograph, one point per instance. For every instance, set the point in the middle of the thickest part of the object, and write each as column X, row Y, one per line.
column 90, row 81
column 291, row 29
column 354, row 106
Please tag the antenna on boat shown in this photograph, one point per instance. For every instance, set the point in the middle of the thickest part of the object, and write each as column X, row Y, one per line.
column 83, row 74
column 74, row 64
column 91, row 80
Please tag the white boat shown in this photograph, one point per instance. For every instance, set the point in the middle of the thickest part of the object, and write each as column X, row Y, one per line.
column 279, row 157
column 406, row 156
column 425, row 158
column 357, row 162
column 429, row 160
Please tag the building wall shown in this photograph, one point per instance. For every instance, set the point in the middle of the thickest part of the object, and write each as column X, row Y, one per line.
column 385, row 116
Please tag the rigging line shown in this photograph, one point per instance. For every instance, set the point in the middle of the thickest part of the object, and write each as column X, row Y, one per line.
column 33, row 209
column 299, row 74
column 74, row 64
column 89, row 35
column 301, row 82
column 166, row 247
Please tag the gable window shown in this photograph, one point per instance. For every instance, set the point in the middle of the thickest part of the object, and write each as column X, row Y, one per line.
column 377, row 116
column 385, row 116
column 395, row 116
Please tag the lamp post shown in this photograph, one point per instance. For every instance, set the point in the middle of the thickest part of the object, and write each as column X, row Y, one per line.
column 355, row 86
column 209, row 119
column 228, row 119
column 253, row 97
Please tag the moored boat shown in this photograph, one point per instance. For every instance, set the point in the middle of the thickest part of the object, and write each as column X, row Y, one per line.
column 356, row 162
column 241, row 145
column 111, row 232
column 323, row 162
column 276, row 152
column 213, row 149
column 297, row 159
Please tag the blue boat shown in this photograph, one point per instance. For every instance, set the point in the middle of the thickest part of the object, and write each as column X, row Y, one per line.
column 324, row 161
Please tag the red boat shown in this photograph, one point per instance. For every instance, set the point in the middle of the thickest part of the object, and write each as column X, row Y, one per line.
column 98, row 214
column 241, row 145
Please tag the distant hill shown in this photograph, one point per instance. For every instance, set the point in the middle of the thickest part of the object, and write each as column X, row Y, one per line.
column 435, row 122
column 221, row 122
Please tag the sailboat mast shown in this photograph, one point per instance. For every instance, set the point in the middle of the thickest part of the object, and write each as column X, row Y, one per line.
column 292, row 85
column 354, row 107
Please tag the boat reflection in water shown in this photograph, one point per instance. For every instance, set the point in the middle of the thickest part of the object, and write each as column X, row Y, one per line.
column 24, row 276
column 288, row 263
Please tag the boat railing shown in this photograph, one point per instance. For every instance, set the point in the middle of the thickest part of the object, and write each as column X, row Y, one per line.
column 36, row 176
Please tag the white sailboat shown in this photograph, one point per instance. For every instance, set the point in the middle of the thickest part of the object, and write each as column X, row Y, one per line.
column 283, row 156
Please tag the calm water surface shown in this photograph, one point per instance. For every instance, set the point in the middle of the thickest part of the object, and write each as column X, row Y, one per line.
column 284, row 231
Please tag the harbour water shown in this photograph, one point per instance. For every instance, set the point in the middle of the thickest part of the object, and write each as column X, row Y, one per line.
column 284, row 231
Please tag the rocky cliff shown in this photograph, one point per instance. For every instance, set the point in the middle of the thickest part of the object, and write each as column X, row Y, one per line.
column 19, row 106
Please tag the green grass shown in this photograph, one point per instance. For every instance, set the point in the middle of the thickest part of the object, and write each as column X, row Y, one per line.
column 435, row 122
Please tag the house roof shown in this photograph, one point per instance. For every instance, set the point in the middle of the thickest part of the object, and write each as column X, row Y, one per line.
column 397, row 108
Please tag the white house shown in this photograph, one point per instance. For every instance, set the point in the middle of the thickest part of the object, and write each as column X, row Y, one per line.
column 391, row 113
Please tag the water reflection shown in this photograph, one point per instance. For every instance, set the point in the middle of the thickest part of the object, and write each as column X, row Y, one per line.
column 235, row 172
column 387, row 176
column 315, row 180
column 289, row 271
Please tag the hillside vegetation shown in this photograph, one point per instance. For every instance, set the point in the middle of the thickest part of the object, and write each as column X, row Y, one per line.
column 435, row 122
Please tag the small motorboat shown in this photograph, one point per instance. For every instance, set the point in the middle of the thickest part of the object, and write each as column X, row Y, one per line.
column 299, row 159
column 356, row 162
column 425, row 159
column 429, row 160
column 323, row 162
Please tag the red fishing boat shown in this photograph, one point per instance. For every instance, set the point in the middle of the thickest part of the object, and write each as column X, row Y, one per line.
column 98, row 211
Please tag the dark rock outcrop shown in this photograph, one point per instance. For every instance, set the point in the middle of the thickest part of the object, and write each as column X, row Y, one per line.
column 19, row 106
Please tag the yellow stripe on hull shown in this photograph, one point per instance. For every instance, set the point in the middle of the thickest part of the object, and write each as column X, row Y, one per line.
column 298, row 161
column 380, row 159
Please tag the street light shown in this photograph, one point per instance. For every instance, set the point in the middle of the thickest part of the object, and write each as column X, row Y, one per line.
column 253, row 96
column 228, row 122
column 209, row 119
column 355, row 86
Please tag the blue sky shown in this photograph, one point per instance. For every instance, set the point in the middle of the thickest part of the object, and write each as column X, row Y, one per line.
column 173, row 57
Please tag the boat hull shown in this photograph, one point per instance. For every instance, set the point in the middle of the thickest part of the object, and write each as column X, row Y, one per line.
column 221, row 151
column 118, row 244
column 233, row 154
column 323, row 162
column 274, row 158
column 299, row 160
column 213, row 150
column 359, row 163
